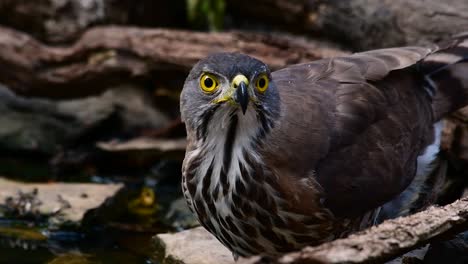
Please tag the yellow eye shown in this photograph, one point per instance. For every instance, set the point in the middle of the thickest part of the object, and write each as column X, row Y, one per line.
column 208, row 83
column 262, row 83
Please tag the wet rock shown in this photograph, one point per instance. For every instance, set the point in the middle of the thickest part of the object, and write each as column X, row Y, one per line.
column 193, row 246
column 60, row 202
column 179, row 215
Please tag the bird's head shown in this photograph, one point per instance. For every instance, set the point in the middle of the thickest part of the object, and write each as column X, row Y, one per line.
column 227, row 85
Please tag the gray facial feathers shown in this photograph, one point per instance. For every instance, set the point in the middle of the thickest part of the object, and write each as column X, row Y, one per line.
column 197, row 107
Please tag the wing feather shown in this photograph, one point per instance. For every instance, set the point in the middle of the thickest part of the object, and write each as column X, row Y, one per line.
column 356, row 123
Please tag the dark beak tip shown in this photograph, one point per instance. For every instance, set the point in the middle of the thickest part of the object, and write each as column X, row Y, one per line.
column 244, row 109
column 242, row 97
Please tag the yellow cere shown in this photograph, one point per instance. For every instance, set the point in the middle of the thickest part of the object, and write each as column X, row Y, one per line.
column 238, row 79
column 209, row 83
column 262, row 83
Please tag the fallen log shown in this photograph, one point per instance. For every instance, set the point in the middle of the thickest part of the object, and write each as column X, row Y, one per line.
column 63, row 21
column 362, row 24
column 385, row 241
column 104, row 56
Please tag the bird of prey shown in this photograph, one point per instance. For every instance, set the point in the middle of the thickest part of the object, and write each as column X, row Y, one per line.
column 279, row 160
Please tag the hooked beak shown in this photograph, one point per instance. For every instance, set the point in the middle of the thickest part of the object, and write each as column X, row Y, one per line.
column 242, row 96
column 237, row 94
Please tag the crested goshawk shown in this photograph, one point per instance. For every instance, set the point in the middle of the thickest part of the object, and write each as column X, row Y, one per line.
column 279, row 160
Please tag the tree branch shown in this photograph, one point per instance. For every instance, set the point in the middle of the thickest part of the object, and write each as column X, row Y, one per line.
column 107, row 55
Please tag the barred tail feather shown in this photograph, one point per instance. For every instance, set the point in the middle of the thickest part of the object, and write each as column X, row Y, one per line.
column 445, row 78
column 446, row 71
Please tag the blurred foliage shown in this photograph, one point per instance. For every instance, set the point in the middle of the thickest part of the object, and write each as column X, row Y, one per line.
column 206, row 13
column 145, row 204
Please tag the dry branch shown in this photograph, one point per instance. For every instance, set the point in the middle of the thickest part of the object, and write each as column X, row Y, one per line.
column 107, row 55
column 385, row 241
column 363, row 24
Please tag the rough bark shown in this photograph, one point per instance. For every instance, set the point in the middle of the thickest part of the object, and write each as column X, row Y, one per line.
column 385, row 241
column 105, row 56
column 363, row 24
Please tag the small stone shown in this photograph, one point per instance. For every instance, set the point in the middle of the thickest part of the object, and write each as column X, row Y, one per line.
column 193, row 246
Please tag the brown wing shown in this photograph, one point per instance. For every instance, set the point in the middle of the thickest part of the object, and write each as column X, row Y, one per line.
column 356, row 124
